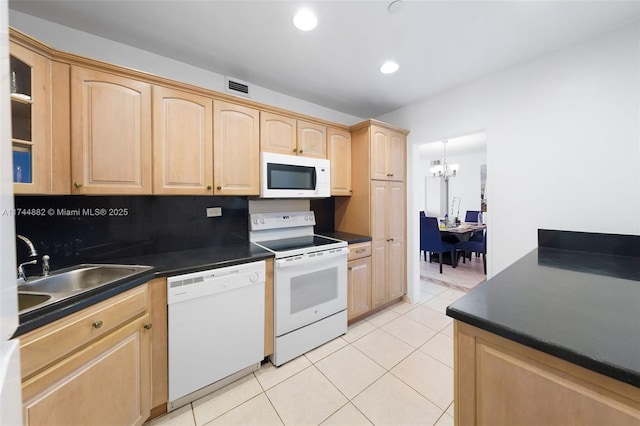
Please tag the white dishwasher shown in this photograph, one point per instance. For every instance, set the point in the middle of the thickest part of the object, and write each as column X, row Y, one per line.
column 215, row 329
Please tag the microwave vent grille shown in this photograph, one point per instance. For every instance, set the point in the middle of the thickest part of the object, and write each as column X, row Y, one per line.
column 236, row 86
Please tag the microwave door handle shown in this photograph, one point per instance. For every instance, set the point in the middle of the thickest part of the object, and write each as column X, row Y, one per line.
column 314, row 178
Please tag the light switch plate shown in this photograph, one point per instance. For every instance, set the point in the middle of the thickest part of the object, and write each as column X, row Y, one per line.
column 214, row 211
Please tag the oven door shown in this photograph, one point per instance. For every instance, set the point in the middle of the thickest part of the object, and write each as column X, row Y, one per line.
column 308, row 288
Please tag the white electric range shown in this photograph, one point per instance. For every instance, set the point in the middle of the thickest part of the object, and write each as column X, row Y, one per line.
column 310, row 282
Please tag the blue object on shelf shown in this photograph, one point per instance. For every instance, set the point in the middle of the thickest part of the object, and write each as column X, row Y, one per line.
column 22, row 166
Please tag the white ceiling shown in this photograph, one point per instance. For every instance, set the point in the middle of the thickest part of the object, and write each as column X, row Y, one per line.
column 438, row 44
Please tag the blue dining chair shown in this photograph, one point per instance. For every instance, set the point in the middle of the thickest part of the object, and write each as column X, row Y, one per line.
column 471, row 246
column 431, row 240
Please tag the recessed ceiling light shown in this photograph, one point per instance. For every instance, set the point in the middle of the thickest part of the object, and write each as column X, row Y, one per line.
column 395, row 6
column 389, row 67
column 305, row 20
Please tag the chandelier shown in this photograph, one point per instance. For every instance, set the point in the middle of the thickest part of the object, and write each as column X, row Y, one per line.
column 443, row 169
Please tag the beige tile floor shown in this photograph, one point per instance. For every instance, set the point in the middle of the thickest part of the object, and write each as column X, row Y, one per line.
column 392, row 368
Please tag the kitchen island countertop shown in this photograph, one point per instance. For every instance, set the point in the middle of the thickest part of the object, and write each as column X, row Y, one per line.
column 580, row 306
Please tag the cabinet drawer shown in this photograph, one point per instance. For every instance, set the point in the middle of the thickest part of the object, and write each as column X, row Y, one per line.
column 359, row 250
column 49, row 343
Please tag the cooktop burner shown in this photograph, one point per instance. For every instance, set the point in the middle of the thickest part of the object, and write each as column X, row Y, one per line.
column 289, row 234
column 288, row 244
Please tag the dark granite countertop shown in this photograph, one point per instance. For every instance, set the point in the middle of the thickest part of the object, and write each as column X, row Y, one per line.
column 167, row 263
column 346, row 236
column 199, row 259
column 582, row 307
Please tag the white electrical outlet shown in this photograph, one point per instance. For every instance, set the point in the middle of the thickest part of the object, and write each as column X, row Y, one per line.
column 214, row 211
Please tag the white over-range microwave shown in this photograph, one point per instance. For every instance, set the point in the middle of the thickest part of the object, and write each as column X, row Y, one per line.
column 290, row 176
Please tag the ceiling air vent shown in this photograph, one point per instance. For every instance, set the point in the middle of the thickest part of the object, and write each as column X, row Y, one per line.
column 237, row 87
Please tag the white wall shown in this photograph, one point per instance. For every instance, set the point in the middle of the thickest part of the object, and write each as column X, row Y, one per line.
column 433, row 203
column 85, row 44
column 563, row 144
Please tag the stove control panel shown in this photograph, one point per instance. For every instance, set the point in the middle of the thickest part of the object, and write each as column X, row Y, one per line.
column 262, row 221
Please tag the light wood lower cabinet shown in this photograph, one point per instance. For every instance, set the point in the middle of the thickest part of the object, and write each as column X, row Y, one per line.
column 91, row 367
column 159, row 346
column 359, row 280
column 501, row 382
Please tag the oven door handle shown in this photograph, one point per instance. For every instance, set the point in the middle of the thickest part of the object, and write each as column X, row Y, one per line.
column 310, row 258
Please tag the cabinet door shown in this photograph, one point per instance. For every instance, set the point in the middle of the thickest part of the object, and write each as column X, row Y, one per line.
column 339, row 152
column 312, row 140
column 110, row 134
column 395, row 223
column 396, row 255
column 378, row 142
column 359, row 283
column 30, row 120
column 236, row 149
column 159, row 344
column 379, row 243
column 278, row 133
column 182, row 142
column 396, row 156
column 378, row 273
column 107, row 383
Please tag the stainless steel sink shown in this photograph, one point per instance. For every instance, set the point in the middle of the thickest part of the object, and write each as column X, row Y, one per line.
column 65, row 283
column 27, row 301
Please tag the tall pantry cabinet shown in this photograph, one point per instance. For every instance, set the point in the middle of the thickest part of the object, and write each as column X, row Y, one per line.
column 377, row 206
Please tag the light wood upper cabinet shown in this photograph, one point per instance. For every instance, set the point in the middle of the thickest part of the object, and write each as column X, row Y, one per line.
column 286, row 135
column 111, row 133
column 312, row 140
column 182, row 142
column 278, row 133
column 387, row 154
column 339, row 153
column 39, row 121
column 236, row 149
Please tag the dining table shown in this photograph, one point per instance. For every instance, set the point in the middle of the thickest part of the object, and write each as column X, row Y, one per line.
column 456, row 234
column 462, row 232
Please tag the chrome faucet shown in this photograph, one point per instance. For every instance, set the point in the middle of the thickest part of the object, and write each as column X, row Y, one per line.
column 32, row 253
column 32, row 249
column 21, row 266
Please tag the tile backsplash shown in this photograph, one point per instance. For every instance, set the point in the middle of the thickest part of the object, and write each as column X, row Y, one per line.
column 77, row 229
